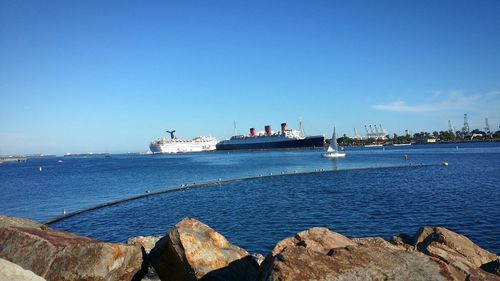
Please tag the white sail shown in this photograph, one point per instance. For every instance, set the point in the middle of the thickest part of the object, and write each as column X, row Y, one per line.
column 332, row 151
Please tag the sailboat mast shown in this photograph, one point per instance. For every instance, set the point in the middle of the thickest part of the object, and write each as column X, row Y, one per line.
column 334, row 139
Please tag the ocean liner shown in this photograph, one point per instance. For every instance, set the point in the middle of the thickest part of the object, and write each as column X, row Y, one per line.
column 267, row 139
column 175, row 145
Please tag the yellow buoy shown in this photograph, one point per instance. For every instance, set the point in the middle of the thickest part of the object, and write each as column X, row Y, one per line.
column 445, row 163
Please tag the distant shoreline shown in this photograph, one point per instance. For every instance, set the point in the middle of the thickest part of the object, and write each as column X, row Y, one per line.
column 6, row 158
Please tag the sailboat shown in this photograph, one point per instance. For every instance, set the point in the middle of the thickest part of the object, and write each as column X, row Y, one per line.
column 332, row 151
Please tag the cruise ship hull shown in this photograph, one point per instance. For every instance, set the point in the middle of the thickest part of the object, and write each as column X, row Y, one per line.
column 308, row 142
column 182, row 146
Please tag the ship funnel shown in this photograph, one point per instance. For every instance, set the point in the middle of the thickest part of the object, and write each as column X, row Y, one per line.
column 172, row 134
column 252, row 132
column 284, row 127
column 267, row 128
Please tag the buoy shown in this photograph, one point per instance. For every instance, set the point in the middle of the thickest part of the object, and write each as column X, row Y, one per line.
column 40, row 168
column 445, row 163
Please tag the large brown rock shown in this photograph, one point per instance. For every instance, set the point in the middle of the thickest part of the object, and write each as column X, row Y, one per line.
column 331, row 256
column 193, row 251
column 455, row 250
column 57, row 255
column 12, row 272
column 319, row 239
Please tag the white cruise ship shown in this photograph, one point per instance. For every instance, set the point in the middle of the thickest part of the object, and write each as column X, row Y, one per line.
column 175, row 145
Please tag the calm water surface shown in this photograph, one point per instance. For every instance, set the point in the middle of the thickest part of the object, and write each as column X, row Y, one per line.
column 255, row 214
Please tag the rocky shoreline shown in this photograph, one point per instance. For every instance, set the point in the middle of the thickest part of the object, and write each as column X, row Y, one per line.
column 192, row 250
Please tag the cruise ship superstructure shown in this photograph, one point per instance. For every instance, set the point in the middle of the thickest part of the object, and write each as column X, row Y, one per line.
column 175, row 145
column 267, row 139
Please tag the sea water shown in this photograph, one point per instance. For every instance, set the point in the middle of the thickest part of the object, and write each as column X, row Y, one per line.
column 372, row 192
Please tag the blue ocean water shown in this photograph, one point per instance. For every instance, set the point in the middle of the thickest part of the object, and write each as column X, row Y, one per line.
column 257, row 213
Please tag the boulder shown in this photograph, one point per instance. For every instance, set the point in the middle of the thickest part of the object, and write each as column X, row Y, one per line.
column 13, row 272
column 332, row 256
column 13, row 221
column 193, row 251
column 258, row 258
column 319, row 239
column 403, row 240
column 452, row 248
column 57, row 255
column 147, row 243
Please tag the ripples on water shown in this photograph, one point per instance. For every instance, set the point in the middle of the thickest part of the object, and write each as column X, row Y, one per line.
column 255, row 214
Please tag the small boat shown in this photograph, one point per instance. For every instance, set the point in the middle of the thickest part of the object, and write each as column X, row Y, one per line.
column 373, row 145
column 401, row 144
column 332, row 151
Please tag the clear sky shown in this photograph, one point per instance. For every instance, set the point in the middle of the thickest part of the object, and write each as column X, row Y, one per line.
column 110, row 76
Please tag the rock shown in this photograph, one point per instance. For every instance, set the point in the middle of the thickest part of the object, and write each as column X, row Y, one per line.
column 376, row 242
column 147, row 243
column 258, row 258
column 13, row 272
column 319, row 239
column 452, row 248
column 403, row 240
column 341, row 258
column 13, row 221
column 57, row 255
column 193, row 251
column 492, row 267
column 477, row 274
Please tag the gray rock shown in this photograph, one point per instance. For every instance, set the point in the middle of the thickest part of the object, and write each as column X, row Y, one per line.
column 147, row 243
column 12, row 272
column 258, row 258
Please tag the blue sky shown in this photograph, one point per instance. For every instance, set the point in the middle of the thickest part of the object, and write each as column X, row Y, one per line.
column 81, row 76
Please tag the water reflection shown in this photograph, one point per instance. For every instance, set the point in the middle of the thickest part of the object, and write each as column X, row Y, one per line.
column 335, row 163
